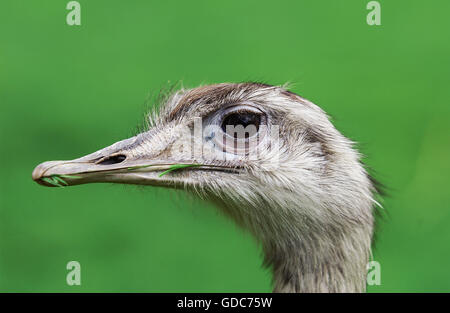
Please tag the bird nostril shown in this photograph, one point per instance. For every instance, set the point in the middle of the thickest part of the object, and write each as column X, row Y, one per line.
column 114, row 159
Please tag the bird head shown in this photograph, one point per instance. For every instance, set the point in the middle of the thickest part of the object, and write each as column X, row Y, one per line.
column 269, row 158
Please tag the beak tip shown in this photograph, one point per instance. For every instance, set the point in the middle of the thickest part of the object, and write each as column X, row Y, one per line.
column 37, row 172
column 40, row 170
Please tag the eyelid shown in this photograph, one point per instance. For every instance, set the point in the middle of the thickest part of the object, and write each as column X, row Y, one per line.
column 240, row 111
column 242, row 107
column 217, row 117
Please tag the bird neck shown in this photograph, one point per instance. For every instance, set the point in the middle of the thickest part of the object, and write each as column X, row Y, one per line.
column 310, row 255
column 332, row 262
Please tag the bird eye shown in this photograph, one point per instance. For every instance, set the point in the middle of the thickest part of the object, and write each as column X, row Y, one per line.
column 244, row 119
column 239, row 129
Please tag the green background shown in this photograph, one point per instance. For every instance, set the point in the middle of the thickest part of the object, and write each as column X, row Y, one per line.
column 66, row 91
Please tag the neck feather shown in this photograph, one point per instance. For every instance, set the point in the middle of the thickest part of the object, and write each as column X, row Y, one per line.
column 325, row 254
column 333, row 262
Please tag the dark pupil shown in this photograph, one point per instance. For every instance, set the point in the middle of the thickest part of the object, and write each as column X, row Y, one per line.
column 244, row 119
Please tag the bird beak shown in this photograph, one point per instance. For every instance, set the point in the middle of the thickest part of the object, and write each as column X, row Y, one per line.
column 116, row 164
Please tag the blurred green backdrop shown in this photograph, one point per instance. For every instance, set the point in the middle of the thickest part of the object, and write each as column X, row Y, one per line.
column 68, row 90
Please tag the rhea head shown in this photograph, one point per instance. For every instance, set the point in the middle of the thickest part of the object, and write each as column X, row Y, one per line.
column 290, row 178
